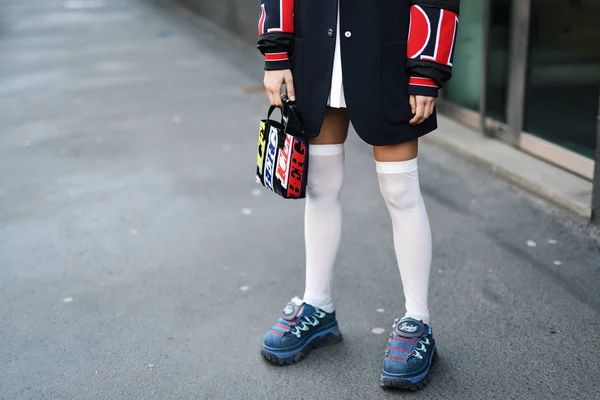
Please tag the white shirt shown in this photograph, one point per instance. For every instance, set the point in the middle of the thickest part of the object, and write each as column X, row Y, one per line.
column 336, row 95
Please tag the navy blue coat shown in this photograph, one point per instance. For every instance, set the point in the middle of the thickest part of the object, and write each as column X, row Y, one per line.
column 394, row 48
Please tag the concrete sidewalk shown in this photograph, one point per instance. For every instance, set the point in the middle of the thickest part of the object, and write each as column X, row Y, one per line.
column 136, row 261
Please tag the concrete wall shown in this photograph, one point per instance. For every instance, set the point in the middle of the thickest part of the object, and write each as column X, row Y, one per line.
column 237, row 16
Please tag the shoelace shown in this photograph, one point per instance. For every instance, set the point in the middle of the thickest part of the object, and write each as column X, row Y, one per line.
column 421, row 343
column 305, row 322
column 420, row 346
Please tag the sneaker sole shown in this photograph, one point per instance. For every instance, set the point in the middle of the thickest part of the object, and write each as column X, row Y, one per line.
column 400, row 383
column 327, row 340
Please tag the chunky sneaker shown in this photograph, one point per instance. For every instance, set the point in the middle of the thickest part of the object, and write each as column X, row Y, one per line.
column 300, row 329
column 408, row 356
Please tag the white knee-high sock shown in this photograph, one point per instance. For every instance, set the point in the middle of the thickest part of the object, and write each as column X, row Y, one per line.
column 323, row 221
column 399, row 184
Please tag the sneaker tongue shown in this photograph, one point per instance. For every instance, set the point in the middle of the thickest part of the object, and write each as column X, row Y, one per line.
column 409, row 328
column 294, row 308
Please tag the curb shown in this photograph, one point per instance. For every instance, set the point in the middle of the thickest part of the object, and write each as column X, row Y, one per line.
column 522, row 182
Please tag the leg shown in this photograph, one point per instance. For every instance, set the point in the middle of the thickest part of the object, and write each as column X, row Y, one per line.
column 291, row 339
column 323, row 213
column 411, row 348
column 399, row 183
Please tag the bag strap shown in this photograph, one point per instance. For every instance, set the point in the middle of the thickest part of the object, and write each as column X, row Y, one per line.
column 288, row 110
column 292, row 110
column 271, row 109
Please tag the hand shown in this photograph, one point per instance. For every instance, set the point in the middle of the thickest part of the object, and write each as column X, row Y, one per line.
column 273, row 83
column 422, row 107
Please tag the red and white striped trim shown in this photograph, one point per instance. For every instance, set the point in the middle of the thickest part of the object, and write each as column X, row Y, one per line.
column 261, row 21
column 418, row 81
column 276, row 56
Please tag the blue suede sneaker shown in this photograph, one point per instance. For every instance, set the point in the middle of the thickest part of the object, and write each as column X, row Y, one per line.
column 408, row 356
column 300, row 329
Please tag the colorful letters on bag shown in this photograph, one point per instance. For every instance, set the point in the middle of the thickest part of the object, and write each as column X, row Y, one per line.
column 281, row 162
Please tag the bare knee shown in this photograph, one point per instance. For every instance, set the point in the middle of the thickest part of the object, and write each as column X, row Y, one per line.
column 397, row 152
column 334, row 129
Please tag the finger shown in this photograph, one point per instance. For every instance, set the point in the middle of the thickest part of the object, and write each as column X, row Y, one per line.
column 419, row 111
column 413, row 103
column 432, row 107
column 415, row 118
column 289, row 84
column 270, row 96
column 277, row 97
column 267, row 91
column 426, row 110
column 423, row 104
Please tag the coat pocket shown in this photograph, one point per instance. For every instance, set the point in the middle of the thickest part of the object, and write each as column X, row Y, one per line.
column 396, row 108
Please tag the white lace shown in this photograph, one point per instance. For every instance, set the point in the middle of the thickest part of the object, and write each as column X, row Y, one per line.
column 306, row 323
column 420, row 347
column 423, row 340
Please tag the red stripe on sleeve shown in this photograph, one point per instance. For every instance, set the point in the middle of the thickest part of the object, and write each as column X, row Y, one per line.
column 261, row 21
column 448, row 25
column 287, row 15
column 276, row 56
column 422, row 82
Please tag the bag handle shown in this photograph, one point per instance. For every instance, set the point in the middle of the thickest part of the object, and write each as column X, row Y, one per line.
column 293, row 110
column 288, row 109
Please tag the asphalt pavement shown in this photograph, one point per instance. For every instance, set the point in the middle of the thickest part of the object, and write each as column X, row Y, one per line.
column 139, row 260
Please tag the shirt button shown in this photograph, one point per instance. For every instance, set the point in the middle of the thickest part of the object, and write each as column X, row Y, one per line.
column 348, row 34
column 330, row 33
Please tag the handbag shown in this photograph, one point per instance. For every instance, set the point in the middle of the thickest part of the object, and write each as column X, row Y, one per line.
column 282, row 159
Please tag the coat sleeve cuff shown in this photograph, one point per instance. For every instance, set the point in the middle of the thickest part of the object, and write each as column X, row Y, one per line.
column 277, row 61
column 422, row 86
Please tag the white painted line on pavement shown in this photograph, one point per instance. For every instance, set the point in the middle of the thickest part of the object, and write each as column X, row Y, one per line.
column 378, row 331
column 531, row 243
